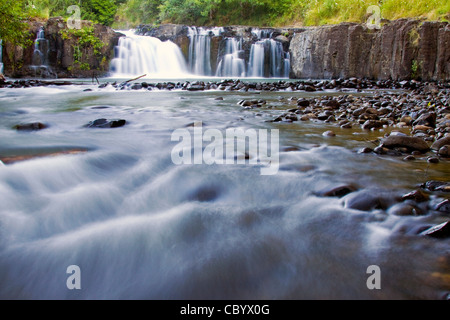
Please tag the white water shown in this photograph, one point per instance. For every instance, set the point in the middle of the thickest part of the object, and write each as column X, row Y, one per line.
column 139, row 55
column 232, row 63
column 140, row 227
column 1, row 57
column 200, row 49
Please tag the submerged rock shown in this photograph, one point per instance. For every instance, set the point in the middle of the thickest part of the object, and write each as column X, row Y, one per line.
column 34, row 126
column 434, row 185
column 405, row 209
column 337, row 191
column 443, row 206
column 104, row 123
column 367, row 200
column 416, row 195
column 440, row 231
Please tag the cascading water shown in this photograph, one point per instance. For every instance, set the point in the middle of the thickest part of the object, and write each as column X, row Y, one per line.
column 268, row 58
column 139, row 55
column 227, row 56
column 200, row 49
column 232, row 63
column 40, row 55
column 1, row 56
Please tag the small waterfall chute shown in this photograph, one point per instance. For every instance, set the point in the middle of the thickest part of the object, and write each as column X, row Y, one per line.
column 39, row 60
column 199, row 59
column 136, row 55
column 232, row 63
column 1, row 56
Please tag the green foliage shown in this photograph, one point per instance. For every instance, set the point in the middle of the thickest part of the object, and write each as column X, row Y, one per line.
column 98, row 11
column 85, row 40
column 13, row 26
column 244, row 12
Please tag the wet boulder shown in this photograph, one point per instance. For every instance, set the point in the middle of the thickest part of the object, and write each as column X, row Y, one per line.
column 434, row 185
column 339, row 190
column 34, row 126
column 104, row 123
column 438, row 144
column 439, row 231
column 405, row 209
column 368, row 200
column 426, row 119
column 410, row 143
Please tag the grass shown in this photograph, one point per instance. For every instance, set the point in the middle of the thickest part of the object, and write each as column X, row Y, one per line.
column 321, row 12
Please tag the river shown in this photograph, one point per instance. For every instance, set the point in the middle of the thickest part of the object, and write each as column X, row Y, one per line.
column 139, row 226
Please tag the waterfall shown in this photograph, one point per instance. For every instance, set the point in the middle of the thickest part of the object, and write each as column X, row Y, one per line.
column 1, row 57
column 232, row 63
column 268, row 58
column 229, row 55
column 200, row 49
column 139, row 55
column 39, row 59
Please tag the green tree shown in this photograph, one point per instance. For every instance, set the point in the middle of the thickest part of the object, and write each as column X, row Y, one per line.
column 13, row 26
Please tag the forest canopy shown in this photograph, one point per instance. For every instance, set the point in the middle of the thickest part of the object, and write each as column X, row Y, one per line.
column 130, row 13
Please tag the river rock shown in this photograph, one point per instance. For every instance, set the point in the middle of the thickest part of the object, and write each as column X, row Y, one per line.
column 440, row 143
column 367, row 200
column 337, row 190
column 427, row 119
column 34, row 126
column 416, row 195
column 443, row 206
column 440, row 231
column 329, row 133
column 104, row 123
column 411, row 143
column 372, row 124
column 444, row 151
column 405, row 209
column 434, row 185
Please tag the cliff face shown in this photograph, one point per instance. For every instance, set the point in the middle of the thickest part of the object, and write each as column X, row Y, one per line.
column 401, row 49
column 65, row 56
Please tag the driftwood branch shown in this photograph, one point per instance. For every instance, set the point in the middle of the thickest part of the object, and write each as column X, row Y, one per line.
column 135, row 78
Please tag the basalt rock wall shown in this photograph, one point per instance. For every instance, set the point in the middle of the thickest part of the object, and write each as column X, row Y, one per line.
column 399, row 50
column 66, row 56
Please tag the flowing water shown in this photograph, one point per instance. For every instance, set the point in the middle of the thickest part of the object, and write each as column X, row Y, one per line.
column 141, row 227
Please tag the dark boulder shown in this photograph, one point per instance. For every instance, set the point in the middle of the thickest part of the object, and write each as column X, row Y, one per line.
column 34, row 126
column 410, row 143
column 104, row 123
column 440, row 231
